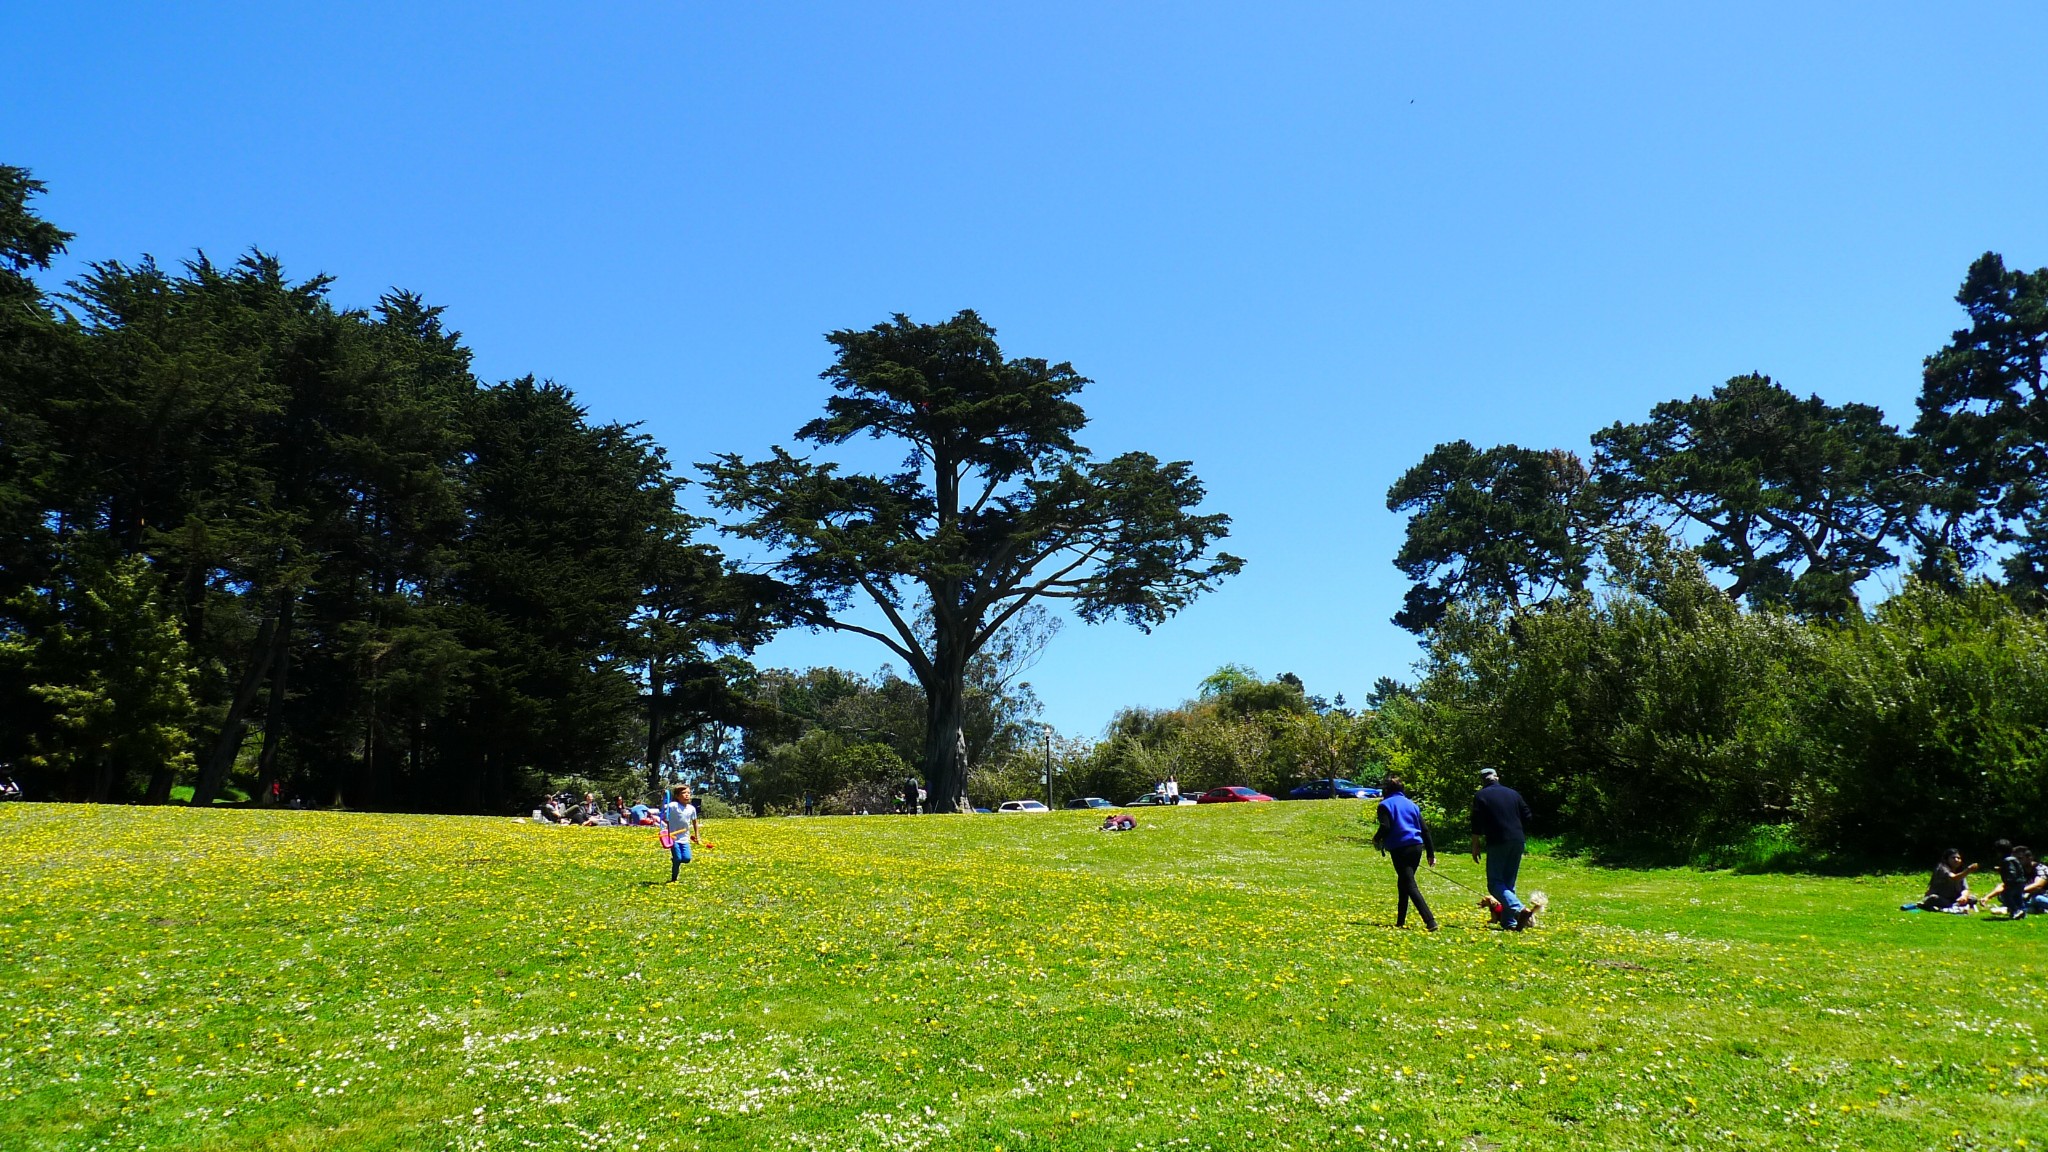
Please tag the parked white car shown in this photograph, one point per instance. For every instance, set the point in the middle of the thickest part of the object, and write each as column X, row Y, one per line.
column 1159, row 800
column 1022, row 806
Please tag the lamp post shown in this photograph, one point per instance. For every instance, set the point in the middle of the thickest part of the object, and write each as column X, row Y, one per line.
column 1048, row 764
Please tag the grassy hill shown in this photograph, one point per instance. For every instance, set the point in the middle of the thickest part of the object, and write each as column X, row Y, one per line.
column 1222, row 978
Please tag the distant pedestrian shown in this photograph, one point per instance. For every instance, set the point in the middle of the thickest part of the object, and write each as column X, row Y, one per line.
column 1173, row 789
column 1404, row 836
column 810, row 805
column 1498, row 816
column 679, row 818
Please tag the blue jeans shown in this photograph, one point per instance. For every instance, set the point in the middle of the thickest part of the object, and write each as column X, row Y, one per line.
column 2037, row 904
column 1503, row 866
column 678, row 855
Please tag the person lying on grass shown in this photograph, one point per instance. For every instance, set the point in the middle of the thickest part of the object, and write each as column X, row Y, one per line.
column 1948, row 890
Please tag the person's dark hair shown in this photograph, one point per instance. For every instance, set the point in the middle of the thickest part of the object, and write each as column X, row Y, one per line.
column 1393, row 786
column 2001, row 847
column 2023, row 850
column 1948, row 852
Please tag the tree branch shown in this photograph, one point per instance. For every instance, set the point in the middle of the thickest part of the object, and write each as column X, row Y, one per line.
column 1042, row 588
column 910, row 652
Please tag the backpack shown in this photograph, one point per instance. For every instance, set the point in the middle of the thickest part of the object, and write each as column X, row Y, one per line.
column 2013, row 874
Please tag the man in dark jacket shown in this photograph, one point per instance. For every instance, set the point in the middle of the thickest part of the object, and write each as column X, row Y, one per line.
column 1498, row 813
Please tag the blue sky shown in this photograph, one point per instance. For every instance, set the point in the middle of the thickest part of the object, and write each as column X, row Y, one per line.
column 1298, row 245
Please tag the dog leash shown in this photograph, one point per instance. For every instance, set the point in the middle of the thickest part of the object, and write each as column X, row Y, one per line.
column 1459, row 883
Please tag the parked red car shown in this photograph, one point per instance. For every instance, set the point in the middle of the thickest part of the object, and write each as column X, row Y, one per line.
column 1232, row 795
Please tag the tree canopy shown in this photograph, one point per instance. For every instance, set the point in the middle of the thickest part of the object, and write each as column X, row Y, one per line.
column 995, row 507
column 1984, row 423
column 1505, row 523
column 1797, row 499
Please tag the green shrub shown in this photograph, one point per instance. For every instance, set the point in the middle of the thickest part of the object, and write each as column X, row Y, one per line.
column 1662, row 722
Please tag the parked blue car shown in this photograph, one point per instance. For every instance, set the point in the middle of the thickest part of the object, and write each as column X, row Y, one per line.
column 1338, row 789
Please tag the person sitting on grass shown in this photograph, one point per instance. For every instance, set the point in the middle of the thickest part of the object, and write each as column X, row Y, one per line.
column 1118, row 822
column 1948, row 890
column 2016, row 871
column 2033, row 882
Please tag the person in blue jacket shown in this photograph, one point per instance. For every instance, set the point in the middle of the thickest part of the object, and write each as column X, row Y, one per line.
column 1404, row 835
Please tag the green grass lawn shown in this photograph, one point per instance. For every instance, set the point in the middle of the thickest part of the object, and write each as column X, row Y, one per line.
column 1224, row 977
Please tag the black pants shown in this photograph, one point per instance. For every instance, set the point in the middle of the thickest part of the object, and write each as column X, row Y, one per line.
column 1407, row 859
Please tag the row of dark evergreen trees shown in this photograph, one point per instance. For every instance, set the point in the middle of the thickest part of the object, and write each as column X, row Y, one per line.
column 249, row 535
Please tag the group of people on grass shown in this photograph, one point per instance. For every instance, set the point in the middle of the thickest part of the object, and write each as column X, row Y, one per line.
column 1499, row 817
column 592, row 811
column 2022, row 884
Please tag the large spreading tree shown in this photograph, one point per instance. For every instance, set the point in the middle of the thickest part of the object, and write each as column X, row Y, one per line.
column 1984, row 422
column 1508, row 524
column 995, row 507
column 1796, row 498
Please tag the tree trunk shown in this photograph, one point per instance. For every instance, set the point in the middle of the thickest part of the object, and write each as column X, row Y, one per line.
column 415, row 755
column 654, row 679
column 370, row 795
column 474, row 765
column 161, row 779
column 273, row 716
column 945, row 764
column 229, row 745
column 102, row 777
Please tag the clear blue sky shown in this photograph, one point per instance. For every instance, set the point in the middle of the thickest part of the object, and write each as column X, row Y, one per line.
column 1297, row 245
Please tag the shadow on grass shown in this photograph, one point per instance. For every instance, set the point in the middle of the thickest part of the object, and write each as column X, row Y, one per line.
column 1765, row 849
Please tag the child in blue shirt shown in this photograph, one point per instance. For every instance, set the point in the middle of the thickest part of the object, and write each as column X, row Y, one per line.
column 679, row 816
